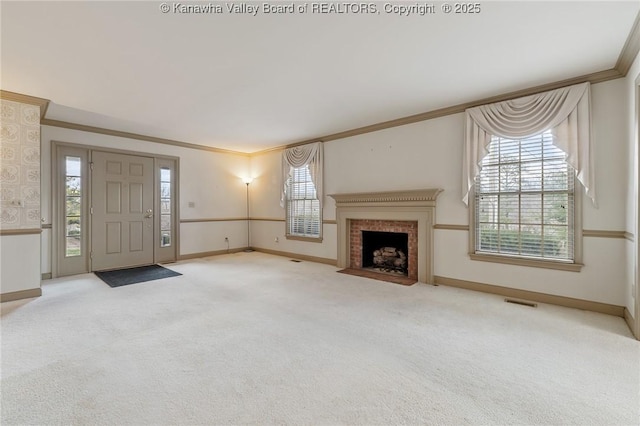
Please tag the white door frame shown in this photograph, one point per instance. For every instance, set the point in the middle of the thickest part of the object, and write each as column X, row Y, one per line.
column 57, row 199
column 60, row 264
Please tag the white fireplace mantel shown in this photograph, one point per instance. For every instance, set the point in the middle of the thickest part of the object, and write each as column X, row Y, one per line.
column 414, row 205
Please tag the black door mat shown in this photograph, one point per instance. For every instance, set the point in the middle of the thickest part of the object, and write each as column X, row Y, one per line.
column 140, row 274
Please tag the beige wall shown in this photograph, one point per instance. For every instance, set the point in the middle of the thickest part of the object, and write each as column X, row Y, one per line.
column 429, row 154
column 19, row 196
column 211, row 180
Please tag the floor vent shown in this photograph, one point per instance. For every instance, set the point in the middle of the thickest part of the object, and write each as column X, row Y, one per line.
column 522, row 302
column 296, row 260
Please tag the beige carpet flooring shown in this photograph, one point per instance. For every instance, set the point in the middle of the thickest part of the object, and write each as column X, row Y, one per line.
column 251, row 338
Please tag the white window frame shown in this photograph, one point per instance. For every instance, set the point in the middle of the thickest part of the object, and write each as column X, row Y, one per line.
column 305, row 199
column 573, row 265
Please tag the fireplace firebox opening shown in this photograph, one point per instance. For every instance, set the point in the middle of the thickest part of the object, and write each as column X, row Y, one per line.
column 385, row 252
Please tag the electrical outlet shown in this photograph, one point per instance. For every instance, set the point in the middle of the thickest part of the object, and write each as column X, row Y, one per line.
column 276, row 240
column 226, row 239
column 191, row 204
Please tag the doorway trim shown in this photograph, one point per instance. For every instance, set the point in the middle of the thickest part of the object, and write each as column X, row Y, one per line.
column 57, row 200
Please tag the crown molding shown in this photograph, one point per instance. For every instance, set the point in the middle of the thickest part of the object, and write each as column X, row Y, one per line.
column 117, row 133
column 627, row 55
column 596, row 77
column 630, row 49
column 625, row 60
column 26, row 99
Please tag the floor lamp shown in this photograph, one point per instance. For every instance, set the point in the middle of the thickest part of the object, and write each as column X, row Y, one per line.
column 247, row 181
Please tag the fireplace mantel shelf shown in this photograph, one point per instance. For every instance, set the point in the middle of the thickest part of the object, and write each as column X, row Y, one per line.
column 388, row 197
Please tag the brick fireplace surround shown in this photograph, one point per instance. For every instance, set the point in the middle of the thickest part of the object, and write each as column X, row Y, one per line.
column 417, row 206
column 356, row 226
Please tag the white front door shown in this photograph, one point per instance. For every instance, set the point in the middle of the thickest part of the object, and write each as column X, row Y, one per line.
column 122, row 230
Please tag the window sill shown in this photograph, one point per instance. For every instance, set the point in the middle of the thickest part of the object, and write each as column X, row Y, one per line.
column 307, row 239
column 519, row 261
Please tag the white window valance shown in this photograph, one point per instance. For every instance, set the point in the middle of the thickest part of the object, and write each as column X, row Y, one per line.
column 566, row 112
column 300, row 156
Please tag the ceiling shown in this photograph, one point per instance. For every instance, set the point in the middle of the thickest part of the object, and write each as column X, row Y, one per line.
column 247, row 83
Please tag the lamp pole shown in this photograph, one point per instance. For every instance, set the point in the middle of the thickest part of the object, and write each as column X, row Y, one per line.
column 248, row 249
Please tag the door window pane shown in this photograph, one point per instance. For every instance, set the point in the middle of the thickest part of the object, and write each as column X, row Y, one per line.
column 165, row 207
column 73, row 206
column 73, row 246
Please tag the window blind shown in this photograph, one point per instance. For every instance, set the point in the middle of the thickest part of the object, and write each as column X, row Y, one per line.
column 525, row 199
column 303, row 205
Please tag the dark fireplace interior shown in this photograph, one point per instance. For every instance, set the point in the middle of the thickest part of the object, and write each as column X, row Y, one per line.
column 385, row 251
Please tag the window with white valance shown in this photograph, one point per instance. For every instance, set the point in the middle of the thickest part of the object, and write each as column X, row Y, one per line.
column 520, row 159
column 302, row 191
column 565, row 112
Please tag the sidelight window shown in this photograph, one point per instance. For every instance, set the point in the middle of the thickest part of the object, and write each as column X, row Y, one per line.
column 74, row 228
column 165, row 207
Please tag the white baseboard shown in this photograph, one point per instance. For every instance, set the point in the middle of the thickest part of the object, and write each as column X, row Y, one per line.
column 568, row 302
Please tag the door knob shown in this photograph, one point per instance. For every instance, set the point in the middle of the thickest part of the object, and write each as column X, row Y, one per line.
column 149, row 214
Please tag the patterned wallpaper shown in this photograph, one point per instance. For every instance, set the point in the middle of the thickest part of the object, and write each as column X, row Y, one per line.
column 19, row 165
